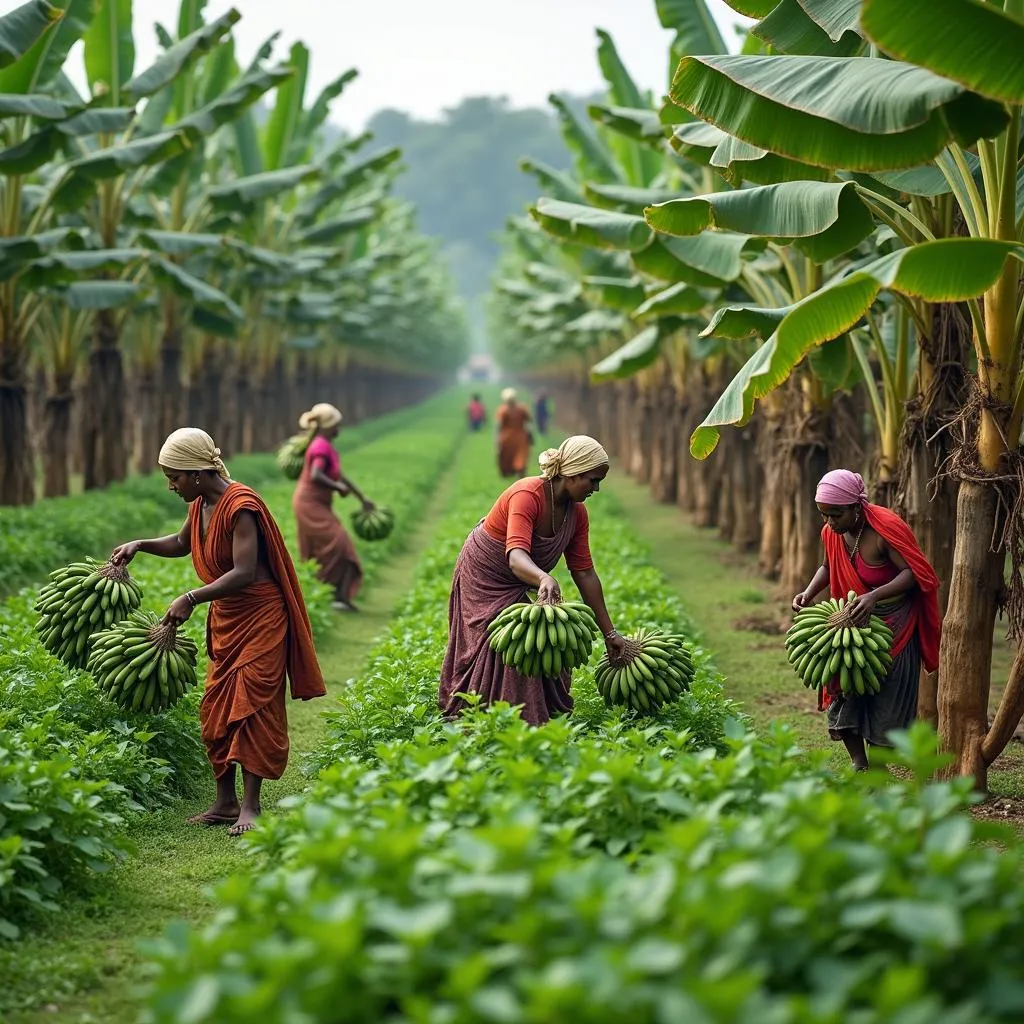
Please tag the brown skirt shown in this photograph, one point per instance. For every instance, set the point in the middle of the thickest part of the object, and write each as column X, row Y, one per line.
column 482, row 586
column 324, row 539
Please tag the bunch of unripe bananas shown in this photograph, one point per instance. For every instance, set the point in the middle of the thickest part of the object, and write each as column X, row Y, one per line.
column 143, row 665
column 544, row 640
column 655, row 670
column 822, row 645
column 81, row 599
column 291, row 456
column 375, row 525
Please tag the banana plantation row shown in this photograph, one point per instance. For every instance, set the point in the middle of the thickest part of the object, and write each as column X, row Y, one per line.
column 184, row 240
column 817, row 241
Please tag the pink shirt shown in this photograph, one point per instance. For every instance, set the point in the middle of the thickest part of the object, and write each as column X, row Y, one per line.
column 321, row 448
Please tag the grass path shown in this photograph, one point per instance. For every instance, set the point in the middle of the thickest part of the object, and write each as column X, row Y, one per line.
column 83, row 967
column 740, row 614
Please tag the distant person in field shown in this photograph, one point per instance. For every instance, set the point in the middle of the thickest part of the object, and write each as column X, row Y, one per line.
column 542, row 413
column 257, row 631
column 477, row 413
column 321, row 535
column 871, row 550
column 512, row 551
column 514, row 438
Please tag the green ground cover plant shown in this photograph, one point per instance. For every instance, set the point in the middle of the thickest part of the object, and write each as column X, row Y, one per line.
column 105, row 764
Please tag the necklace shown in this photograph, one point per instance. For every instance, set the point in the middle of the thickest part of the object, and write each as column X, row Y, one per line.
column 856, row 543
column 551, row 492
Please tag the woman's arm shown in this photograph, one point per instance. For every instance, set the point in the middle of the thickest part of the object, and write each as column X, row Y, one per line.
column 348, row 484
column 589, row 585
column 526, row 569
column 245, row 549
column 817, row 584
column 862, row 608
column 177, row 545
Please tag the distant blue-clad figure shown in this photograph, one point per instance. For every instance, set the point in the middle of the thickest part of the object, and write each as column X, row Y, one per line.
column 543, row 413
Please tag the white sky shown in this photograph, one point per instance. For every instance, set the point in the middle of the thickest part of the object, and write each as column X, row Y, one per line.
column 422, row 56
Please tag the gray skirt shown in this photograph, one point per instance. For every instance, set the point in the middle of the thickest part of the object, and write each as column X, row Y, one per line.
column 893, row 707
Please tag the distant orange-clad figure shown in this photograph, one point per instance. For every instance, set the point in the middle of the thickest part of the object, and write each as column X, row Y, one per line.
column 257, row 632
column 513, row 437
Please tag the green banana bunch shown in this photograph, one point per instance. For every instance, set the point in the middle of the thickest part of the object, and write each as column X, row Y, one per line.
column 291, row 456
column 375, row 525
column 656, row 669
column 543, row 640
column 822, row 645
column 79, row 600
column 143, row 665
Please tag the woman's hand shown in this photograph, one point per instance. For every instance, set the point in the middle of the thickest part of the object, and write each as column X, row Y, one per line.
column 616, row 647
column 368, row 506
column 802, row 600
column 549, row 592
column 180, row 611
column 861, row 608
column 343, row 489
column 124, row 553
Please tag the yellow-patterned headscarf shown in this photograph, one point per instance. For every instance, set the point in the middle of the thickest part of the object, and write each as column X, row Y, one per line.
column 190, row 448
column 576, row 454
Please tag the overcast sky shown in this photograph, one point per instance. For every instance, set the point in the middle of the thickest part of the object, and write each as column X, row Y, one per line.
column 422, row 56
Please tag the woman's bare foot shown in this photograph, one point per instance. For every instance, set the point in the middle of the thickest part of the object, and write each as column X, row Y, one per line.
column 218, row 814
column 246, row 821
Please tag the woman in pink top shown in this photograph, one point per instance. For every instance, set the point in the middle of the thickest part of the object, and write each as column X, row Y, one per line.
column 321, row 535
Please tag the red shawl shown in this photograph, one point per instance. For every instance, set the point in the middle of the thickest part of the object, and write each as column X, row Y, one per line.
column 843, row 578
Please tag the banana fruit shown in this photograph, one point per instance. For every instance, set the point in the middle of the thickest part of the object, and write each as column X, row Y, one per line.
column 291, row 456
column 375, row 525
column 541, row 641
column 823, row 645
column 79, row 600
column 143, row 665
column 656, row 669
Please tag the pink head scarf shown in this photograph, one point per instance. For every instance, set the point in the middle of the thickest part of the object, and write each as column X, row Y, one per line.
column 841, row 487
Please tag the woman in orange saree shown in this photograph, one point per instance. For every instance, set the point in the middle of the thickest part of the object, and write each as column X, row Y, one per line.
column 513, row 437
column 257, row 632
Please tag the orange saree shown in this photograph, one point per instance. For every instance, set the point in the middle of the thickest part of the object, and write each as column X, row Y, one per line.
column 513, row 439
column 254, row 639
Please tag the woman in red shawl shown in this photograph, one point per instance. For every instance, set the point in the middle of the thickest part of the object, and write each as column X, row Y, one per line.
column 872, row 551
column 257, row 632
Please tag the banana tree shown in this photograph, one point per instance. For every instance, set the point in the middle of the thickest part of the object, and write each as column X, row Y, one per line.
column 931, row 102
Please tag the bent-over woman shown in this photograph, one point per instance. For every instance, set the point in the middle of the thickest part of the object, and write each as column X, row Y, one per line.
column 321, row 535
column 513, row 435
column 872, row 551
column 513, row 550
column 257, row 632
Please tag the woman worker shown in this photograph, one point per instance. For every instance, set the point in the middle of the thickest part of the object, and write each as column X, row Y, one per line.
column 872, row 551
column 514, row 549
column 257, row 631
column 321, row 535
column 513, row 437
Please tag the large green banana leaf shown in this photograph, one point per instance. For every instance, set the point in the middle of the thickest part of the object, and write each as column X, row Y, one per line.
column 707, row 260
column 587, row 225
column 42, row 146
column 678, row 299
column 243, row 195
column 975, row 44
column 640, row 351
column 694, row 27
column 947, row 270
column 593, row 161
column 627, row 198
column 822, row 219
column 557, row 184
column 622, row 294
column 857, row 113
column 35, row 39
column 790, row 29
column 286, row 118
column 110, row 50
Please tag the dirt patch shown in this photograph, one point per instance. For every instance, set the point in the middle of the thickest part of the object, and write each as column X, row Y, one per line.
column 794, row 703
column 1005, row 809
column 766, row 622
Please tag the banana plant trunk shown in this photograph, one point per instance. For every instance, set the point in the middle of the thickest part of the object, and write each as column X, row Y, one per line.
column 172, row 393
column 148, row 435
column 17, row 476
column 57, row 414
column 747, row 487
column 773, row 499
column 104, row 453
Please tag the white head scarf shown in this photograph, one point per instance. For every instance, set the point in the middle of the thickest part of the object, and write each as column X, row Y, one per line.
column 323, row 415
column 576, row 454
column 190, row 448
column 508, row 394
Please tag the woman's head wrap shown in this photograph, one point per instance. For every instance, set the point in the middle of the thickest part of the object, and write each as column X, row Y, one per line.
column 508, row 394
column 841, row 487
column 576, row 454
column 323, row 416
column 190, row 448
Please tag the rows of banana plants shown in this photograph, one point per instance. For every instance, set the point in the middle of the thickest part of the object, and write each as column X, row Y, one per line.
column 817, row 240
column 597, row 868
column 181, row 240
column 74, row 767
